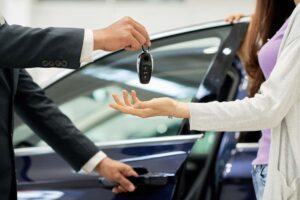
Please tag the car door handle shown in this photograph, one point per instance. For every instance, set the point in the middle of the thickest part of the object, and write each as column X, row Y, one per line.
column 146, row 179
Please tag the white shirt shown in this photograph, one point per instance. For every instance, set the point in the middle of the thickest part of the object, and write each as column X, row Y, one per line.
column 86, row 56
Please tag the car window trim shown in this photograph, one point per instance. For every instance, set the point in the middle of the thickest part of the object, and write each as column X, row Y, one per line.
column 30, row 151
column 247, row 146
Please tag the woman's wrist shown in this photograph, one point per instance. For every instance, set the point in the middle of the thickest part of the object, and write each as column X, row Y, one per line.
column 180, row 109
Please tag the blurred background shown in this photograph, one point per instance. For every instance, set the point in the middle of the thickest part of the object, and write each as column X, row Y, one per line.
column 155, row 15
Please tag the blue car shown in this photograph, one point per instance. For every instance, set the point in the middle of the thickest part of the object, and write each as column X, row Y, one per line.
column 196, row 63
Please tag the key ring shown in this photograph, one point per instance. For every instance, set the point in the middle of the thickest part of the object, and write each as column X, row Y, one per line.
column 144, row 49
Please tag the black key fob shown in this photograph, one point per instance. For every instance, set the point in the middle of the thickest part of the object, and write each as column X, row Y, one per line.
column 145, row 66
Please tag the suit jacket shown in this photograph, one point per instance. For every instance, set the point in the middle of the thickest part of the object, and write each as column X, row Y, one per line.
column 22, row 47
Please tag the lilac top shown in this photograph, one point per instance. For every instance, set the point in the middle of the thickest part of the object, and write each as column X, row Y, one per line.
column 267, row 58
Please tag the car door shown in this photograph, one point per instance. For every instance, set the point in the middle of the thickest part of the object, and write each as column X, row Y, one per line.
column 158, row 145
column 225, row 81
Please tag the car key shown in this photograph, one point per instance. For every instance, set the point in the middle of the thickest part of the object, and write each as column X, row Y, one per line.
column 145, row 66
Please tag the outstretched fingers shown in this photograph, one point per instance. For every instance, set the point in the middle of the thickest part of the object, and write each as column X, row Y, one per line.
column 117, row 99
column 132, row 111
column 126, row 98
column 141, row 104
column 140, row 108
column 134, row 97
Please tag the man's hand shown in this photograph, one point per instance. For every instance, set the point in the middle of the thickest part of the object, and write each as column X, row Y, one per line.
column 117, row 172
column 123, row 34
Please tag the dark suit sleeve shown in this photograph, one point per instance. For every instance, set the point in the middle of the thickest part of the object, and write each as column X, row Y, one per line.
column 23, row 47
column 46, row 120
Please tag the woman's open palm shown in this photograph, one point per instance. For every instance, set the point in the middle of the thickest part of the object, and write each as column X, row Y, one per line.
column 134, row 106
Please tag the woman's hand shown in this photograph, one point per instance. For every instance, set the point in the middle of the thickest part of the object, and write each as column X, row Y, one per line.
column 155, row 107
column 234, row 18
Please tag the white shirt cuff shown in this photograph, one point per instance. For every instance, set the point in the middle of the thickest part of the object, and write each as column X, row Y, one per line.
column 93, row 162
column 88, row 47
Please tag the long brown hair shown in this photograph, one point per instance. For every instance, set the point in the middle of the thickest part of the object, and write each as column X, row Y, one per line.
column 269, row 16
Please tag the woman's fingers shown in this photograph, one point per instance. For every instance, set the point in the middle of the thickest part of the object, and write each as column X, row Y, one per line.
column 238, row 18
column 133, row 111
column 126, row 99
column 134, row 96
column 229, row 19
column 124, row 109
column 117, row 107
column 142, row 109
column 234, row 18
column 137, row 103
column 117, row 99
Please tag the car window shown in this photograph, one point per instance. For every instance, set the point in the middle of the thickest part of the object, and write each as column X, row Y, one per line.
column 245, row 136
column 180, row 63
